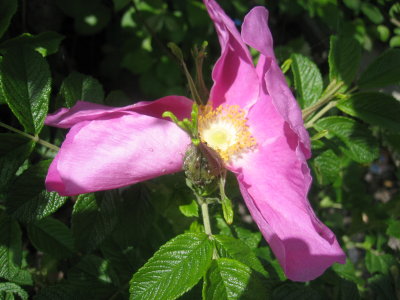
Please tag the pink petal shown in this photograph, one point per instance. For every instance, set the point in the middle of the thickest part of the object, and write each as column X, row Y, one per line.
column 235, row 78
column 86, row 111
column 112, row 152
column 274, row 181
column 256, row 33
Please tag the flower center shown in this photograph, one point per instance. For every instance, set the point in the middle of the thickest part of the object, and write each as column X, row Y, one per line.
column 224, row 129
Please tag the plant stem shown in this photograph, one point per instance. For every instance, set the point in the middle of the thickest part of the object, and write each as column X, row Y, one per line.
column 36, row 139
column 328, row 95
column 320, row 114
column 206, row 218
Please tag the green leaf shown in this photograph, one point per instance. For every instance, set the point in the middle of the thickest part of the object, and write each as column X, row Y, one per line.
column 233, row 248
column 360, row 145
column 382, row 287
column 394, row 229
column 124, row 259
column 51, row 236
column 375, row 108
column 372, row 12
column 46, row 43
column 348, row 290
column 26, row 84
column 190, row 210
column 78, row 86
column 12, row 288
column 383, row 71
column 307, row 80
column 251, row 239
column 294, row 291
column 326, row 167
column 379, row 263
column 27, row 200
column 344, row 59
column 11, row 252
column 14, row 149
column 7, row 10
column 227, row 210
column 230, row 279
column 175, row 268
column 93, row 219
column 10, row 247
column 394, row 41
column 347, row 271
column 95, row 275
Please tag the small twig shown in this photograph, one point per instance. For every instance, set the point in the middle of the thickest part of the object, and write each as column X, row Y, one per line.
column 320, row 114
column 36, row 139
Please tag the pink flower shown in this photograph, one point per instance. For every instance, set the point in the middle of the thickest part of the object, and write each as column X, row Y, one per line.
column 252, row 121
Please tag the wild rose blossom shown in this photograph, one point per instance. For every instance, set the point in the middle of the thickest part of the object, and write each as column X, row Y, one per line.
column 251, row 120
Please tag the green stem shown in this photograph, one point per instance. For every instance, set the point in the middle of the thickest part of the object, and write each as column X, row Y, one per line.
column 36, row 139
column 206, row 218
column 320, row 114
column 328, row 95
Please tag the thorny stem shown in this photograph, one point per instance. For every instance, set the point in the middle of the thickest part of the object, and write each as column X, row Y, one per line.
column 36, row 139
column 320, row 114
column 328, row 95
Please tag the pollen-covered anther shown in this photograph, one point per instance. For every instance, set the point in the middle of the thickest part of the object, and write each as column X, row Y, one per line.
column 224, row 129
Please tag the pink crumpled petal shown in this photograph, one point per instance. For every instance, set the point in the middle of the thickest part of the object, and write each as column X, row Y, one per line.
column 86, row 111
column 274, row 180
column 235, row 78
column 109, row 147
column 256, row 33
column 109, row 153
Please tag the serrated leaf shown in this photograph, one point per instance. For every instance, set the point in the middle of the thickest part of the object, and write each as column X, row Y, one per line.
column 11, row 252
column 326, row 167
column 93, row 219
column 174, row 269
column 375, row 108
column 344, row 59
column 230, row 279
column 80, row 87
column 190, row 210
column 383, row 71
column 378, row 263
column 51, row 236
column 14, row 149
column 10, row 247
column 293, row 291
column 95, row 275
column 361, row 146
column 12, row 288
column 250, row 238
column 233, row 248
column 46, row 43
column 26, row 84
column 307, row 80
column 27, row 200
column 7, row 11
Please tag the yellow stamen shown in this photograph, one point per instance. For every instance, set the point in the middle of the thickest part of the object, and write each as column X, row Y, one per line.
column 224, row 129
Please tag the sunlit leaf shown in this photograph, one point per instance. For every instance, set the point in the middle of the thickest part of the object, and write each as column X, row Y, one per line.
column 175, row 268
